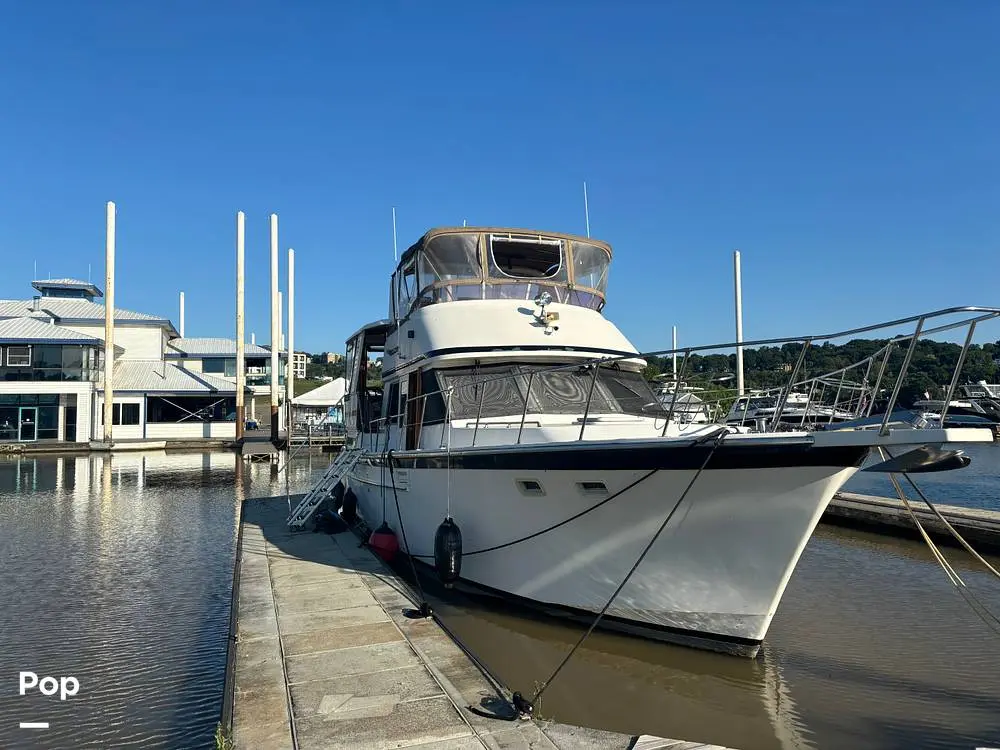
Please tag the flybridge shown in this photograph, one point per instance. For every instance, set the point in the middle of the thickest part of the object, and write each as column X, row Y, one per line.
column 464, row 263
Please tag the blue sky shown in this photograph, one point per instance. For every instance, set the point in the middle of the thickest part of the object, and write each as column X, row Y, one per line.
column 848, row 149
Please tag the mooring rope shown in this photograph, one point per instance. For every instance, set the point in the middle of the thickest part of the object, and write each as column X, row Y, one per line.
column 975, row 604
column 591, row 509
column 526, row 708
column 951, row 529
column 424, row 610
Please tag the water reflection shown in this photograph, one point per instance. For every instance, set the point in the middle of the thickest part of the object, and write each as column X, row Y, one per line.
column 118, row 571
column 871, row 648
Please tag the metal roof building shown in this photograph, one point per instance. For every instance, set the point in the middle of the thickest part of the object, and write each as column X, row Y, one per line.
column 29, row 330
column 212, row 347
column 157, row 376
column 165, row 387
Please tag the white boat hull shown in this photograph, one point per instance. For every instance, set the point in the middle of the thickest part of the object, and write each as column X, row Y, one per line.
column 713, row 578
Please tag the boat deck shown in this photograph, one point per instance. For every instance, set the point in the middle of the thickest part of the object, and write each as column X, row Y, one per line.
column 325, row 657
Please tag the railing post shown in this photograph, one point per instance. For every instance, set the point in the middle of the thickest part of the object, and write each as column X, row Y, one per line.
column 836, row 398
column 590, row 395
column 881, row 373
column 524, row 412
column 677, row 385
column 884, row 429
column 864, row 385
column 446, row 427
column 958, row 371
column 783, row 399
column 479, row 414
column 805, row 412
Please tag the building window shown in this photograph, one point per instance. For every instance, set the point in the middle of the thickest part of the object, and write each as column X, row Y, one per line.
column 123, row 414
column 126, row 414
column 18, row 356
column 219, row 366
column 175, row 409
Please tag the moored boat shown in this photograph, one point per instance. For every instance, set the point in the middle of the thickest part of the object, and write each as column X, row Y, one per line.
column 512, row 405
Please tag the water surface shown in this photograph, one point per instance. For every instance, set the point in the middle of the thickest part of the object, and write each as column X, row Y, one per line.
column 975, row 486
column 117, row 570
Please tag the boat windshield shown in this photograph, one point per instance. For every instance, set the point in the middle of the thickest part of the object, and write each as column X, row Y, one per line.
column 501, row 390
column 455, row 266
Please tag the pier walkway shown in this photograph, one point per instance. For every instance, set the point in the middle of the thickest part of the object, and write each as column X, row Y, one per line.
column 325, row 658
column 886, row 515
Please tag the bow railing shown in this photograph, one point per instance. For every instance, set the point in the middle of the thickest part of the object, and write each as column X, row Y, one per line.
column 809, row 395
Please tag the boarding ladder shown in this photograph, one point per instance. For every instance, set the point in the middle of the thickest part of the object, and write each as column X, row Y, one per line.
column 345, row 461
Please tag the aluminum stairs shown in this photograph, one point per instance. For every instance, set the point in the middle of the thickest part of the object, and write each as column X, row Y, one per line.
column 345, row 461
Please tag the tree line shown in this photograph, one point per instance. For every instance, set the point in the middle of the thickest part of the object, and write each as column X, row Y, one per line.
column 930, row 370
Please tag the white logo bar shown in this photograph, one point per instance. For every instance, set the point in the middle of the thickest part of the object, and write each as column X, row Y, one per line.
column 34, row 725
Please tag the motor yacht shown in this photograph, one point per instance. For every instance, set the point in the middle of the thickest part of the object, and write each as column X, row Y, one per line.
column 511, row 404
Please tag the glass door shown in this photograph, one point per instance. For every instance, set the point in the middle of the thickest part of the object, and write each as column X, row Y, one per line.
column 28, row 423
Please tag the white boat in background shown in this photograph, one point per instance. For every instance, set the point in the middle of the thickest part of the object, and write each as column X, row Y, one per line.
column 511, row 405
column 687, row 406
column 758, row 409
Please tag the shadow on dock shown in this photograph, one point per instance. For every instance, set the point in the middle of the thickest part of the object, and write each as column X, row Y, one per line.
column 326, row 657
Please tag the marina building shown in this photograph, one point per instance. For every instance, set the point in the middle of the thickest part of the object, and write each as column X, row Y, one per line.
column 299, row 362
column 165, row 387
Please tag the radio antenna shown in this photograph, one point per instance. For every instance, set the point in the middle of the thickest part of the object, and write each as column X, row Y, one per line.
column 395, row 251
column 586, row 207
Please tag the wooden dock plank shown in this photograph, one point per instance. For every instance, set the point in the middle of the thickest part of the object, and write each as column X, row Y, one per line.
column 981, row 528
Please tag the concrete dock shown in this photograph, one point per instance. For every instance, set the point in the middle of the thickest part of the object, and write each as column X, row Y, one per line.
column 981, row 528
column 326, row 658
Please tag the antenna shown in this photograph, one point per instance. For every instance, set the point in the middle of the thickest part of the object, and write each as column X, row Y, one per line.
column 35, row 272
column 465, row 223
column 395, row 252
column 586, row 207
column 88, row 273
column 738, row 288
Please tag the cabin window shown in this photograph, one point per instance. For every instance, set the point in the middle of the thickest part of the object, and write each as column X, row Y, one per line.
column 501, row 391
column 525, row 257
column 450, row 257
column 590, row 266
column 487, row 392
column 630, row 391
column 18, row 356
column 434, row 400
column 567, row 392
column 391, row 407
column 407, row 288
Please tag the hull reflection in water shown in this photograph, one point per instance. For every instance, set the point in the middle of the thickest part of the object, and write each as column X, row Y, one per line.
column 632, row 685
column 118, row 571
column 873, row 650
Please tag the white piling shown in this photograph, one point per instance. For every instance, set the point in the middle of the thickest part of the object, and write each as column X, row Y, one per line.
column 109, row 321
column 275, row 327
column 290, row 377
column 240, row 345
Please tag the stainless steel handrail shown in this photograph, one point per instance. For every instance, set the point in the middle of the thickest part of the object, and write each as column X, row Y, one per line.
column 867, row 393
